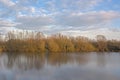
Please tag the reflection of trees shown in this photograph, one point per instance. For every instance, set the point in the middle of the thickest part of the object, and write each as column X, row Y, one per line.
column 25, row 62
column 37, row 61
column 82, row 59
column 61, row 59
column 101, row 60
column 57, row 59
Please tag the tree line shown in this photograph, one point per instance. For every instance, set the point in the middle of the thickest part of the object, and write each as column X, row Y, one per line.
column 36, row 42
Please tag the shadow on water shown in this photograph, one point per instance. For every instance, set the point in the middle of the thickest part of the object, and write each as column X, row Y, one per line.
column 58, row 66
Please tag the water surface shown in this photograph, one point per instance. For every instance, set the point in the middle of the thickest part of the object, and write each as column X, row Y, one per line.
column 86, row 66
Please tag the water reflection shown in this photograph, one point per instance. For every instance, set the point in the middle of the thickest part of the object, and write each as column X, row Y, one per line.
column 89, row 66
column 22, row 62
column 61, row 59
column 101, row 60
column 37, row 61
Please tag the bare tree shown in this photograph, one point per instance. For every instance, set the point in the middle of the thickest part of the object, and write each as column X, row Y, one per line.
column 101, row 43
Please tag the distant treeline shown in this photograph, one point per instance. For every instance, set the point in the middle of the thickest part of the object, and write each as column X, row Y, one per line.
column 36, row 42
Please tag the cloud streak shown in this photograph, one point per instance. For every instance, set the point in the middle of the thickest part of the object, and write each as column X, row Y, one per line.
column 87, row 19
column 6, row 23
column 66, row 20
column 33, row 22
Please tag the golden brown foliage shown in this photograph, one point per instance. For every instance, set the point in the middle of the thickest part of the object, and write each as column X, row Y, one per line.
column 36, row 42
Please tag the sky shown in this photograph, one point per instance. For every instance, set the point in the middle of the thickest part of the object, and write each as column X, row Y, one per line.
column 69, row 17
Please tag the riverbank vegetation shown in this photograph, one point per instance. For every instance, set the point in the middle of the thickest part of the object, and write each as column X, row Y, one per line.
column 36, row 42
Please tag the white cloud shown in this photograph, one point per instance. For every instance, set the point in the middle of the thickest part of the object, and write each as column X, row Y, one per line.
column 33, row 10
column 33, row 22
column 6, row 23
column 7, row 3
column 13, row 8
column 5, row 30
column 72, row 5
column 82, row 20
column 64, row 22
column 87, row 19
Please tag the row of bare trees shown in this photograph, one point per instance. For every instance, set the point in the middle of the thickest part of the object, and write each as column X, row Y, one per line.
column 36, row 42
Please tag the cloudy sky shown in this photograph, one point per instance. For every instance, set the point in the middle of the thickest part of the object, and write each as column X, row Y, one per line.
column 70, row 17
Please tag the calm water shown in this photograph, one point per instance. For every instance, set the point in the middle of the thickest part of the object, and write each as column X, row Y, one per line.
column 87, row 66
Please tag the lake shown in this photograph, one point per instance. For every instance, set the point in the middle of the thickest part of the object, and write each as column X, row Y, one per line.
column 58, row 66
